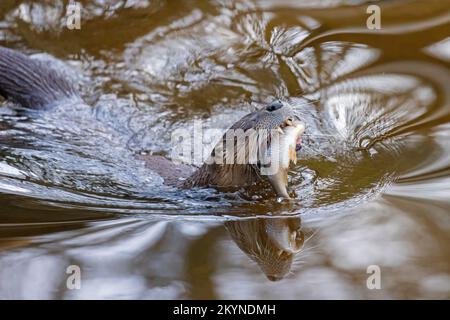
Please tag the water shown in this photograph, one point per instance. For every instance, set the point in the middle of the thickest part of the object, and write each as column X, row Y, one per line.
column 372, row 181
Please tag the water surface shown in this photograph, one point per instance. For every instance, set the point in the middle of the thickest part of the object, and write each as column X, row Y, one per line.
column 372, row 181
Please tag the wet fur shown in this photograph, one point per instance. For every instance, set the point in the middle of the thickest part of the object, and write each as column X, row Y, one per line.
column 30, row 82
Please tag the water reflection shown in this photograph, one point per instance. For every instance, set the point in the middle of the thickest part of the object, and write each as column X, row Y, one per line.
column 271, row 243
column 372, row 179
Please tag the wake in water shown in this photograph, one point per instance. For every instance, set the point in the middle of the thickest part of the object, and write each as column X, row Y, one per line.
column 86, row 157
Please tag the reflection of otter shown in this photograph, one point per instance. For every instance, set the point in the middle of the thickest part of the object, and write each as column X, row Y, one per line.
column 271, row 242
column 32, row 84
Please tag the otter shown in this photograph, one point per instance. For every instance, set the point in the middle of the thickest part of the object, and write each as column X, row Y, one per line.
column 271, row 135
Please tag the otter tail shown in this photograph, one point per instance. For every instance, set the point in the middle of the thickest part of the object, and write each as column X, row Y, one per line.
column 30, row 82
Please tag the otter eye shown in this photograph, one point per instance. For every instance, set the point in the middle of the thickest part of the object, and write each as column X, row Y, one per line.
column 275, row 105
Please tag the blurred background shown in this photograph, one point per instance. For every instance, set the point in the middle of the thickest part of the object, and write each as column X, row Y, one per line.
column 372, row 182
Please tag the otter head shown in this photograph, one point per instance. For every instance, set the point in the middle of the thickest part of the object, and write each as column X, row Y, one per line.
column 260, row 146
column 271, row 242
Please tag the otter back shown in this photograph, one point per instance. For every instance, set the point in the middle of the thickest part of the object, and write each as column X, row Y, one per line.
column 31, row 83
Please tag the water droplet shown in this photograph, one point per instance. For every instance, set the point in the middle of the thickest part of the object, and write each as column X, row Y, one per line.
column 364, row 143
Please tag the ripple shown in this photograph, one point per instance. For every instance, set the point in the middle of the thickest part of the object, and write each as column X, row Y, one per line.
column 361, row 113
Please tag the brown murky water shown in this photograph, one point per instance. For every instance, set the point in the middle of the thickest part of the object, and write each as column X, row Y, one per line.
column 372, row 180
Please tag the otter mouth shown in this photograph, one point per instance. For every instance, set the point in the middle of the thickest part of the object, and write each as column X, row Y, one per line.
column 290, row 131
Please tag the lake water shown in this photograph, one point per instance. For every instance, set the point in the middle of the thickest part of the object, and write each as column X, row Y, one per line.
column 372, row 182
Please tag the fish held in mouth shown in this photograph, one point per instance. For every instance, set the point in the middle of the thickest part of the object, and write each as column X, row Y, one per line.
column 285, row 147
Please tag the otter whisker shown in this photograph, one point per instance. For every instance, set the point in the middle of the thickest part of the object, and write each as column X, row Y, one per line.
column 329, row 158
column 297, row 263
column 305, row 103
column 319, row 135
column 306, row 252
column 312, row 235
column 311, row 248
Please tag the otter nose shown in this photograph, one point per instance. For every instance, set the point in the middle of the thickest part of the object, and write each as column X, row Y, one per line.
column 275, row 105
